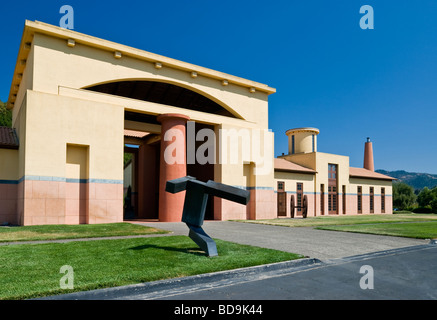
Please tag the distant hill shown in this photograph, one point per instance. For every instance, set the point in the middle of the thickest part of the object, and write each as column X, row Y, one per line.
column 416, row 180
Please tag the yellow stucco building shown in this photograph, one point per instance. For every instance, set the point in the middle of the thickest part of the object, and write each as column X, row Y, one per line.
column 80, row 103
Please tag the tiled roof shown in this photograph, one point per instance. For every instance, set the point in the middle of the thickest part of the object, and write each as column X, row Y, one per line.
column 285, row 165
column 364, row 173
column 8, row 138
column 135, row 134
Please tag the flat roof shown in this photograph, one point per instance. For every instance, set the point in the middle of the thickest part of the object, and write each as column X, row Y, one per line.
column 32, row 27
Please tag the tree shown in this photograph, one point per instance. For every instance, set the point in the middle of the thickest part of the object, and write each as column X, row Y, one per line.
column 5, row 115
column 425, row 197
column 434, row 205
column 403, row 195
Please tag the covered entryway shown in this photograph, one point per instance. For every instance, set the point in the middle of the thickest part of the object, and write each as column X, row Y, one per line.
column 146, row 167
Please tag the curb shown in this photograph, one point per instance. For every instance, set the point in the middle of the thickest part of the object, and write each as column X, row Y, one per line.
column 433, row 241
column 156, row 289
column 377, row 254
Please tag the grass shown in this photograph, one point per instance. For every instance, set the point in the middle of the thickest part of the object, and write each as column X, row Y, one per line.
column 346, row 220
column 30, row 270
column 33, row 270
column 58, row 232
column 419, row 226
column 418, row 230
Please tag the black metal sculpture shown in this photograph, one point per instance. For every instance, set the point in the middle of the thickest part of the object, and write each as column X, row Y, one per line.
column 196, row 198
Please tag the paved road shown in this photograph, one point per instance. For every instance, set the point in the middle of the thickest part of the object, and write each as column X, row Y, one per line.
column 319, row 244
column 401, row 274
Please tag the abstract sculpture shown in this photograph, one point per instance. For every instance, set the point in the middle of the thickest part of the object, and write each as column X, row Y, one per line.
column 196, row 198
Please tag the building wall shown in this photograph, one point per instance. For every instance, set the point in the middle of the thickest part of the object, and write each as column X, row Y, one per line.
column 26, row 83
column 377, row 185
column 322, row 162
column 20, row 127
column 73, row 166
column 55, row 63
column 319, row 161
column 8, row 186
column 241, row 165
column 291, row 180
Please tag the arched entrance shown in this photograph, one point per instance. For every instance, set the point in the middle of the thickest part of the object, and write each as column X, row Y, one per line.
column 144, row 142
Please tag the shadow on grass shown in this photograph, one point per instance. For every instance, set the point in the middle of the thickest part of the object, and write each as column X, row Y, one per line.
column 194, row 251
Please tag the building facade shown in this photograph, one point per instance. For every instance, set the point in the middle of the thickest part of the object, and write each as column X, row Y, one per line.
column 80, row 103
column 330, row 185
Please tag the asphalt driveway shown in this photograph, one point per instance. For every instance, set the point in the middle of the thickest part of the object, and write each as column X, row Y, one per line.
column 319, row 244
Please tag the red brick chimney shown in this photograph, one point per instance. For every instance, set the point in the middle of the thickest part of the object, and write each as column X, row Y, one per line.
column 368, row 156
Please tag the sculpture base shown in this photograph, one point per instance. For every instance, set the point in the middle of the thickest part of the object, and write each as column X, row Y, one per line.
column 203, row 240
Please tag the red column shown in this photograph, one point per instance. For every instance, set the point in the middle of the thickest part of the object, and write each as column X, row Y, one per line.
column 171, row 205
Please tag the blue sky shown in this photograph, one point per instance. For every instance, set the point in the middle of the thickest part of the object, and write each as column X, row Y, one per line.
column 329, row 73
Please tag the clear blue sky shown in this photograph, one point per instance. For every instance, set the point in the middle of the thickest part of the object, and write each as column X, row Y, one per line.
column 329, row 73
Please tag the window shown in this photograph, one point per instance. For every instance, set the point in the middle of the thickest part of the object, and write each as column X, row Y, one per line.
column 344, row 199
column 372, row 199
column 332, row 189
column 360, row 199
column 322, row 199
column 299, row 194
column 281, row 185
column 292, row 144
column 314, row 143
column 382, row 200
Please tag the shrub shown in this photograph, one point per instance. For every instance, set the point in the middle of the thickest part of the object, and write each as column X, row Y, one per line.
column 423, row 210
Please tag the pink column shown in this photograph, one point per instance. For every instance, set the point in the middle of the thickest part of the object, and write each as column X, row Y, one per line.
column 171, row 205
column 368, row 156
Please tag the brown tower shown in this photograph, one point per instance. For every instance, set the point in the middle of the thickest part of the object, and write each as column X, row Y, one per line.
column 368, row 156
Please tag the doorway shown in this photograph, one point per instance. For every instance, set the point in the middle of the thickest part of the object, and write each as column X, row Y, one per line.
column 282, row 199
column 205, row 171
column 332, row 189
column 141, row 175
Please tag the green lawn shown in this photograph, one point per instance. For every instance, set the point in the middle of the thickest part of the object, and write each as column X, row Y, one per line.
column 57, row 232
column 33, row 270
column 419, row 230
column 346, row 220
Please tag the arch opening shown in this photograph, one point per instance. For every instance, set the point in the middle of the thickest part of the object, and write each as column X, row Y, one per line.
column 162, row 93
